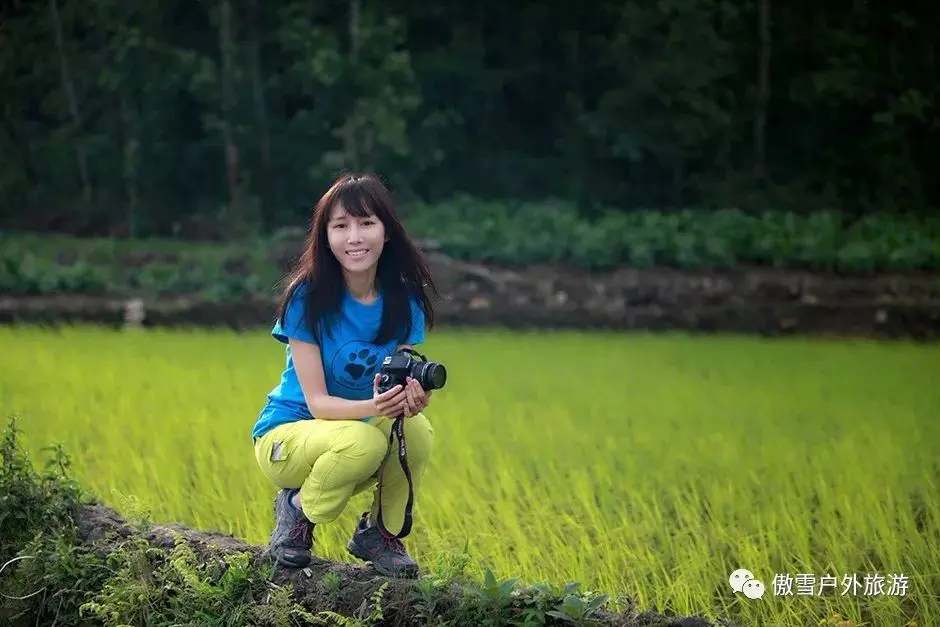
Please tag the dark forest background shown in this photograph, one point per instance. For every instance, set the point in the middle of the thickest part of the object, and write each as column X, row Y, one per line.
column 162, row 118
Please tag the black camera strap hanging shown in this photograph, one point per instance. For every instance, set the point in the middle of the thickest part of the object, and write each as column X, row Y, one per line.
column 398, row 430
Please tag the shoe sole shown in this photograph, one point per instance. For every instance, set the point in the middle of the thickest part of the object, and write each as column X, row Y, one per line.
column 404, row 573
column 302, row 563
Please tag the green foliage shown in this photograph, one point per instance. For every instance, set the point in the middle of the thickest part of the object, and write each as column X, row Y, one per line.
column 162, row 118
column 507, row 234
column 32, row 502
column 54, row 265
column 367, row 615
column 47, row 576
column 38, row 560
column 150, row 586
column 522, row 234
column 504, row 602
column 27, row 273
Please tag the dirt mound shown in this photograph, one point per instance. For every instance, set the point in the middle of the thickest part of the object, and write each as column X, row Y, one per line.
column 102, row 530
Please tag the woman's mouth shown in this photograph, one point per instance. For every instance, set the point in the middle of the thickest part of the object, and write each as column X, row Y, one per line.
column 359, row 252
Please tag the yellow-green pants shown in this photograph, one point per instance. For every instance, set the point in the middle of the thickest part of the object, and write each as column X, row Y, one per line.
column 332, row 460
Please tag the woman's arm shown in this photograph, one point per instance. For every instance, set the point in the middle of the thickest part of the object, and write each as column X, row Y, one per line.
column 313, row 383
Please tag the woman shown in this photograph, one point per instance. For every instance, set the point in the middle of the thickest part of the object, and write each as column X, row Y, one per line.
column 357, row 294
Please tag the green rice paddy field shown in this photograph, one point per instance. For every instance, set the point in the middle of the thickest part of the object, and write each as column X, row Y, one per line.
column 640, row 465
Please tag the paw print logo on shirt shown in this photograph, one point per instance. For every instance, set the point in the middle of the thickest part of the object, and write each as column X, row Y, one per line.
column 361, row 363
column 355, row 364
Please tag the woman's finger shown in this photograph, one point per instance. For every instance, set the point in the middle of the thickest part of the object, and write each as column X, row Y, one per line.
column 386, row 406
column 412, row 401
column 420, row 394
column 397, row 404
column 410, row 391
column 423, row 404
column 391, row 394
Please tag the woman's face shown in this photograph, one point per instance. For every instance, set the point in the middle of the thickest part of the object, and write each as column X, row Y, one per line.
column 356, row 242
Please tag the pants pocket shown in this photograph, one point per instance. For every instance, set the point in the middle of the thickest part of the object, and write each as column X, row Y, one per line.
column 278, row 454
column 273, row 452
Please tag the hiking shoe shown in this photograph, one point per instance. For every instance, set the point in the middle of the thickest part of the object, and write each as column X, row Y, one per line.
column 292, row 537
column 387, row 553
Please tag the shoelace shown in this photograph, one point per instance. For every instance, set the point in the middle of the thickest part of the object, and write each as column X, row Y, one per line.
column 393, row 543
column 300, row 533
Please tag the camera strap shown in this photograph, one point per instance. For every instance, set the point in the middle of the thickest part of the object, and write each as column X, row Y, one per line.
column 398, row 430
column 412, row 351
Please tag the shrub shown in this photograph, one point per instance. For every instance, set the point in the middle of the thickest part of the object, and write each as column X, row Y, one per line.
column 522, row 234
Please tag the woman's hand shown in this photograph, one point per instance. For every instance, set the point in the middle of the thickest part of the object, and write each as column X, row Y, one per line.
column 416, row 399
column 390, row 403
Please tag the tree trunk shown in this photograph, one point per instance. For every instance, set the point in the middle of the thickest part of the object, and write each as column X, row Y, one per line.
column 226, row 46
column 763, row 92
column 351, row 147
column 264, row 135
column 69, row 88
column 130, row 170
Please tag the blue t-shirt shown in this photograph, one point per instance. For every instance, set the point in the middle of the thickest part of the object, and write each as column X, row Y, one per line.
column 350, row 359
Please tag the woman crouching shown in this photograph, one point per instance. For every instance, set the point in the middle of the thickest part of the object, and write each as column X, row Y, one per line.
column 356, row 295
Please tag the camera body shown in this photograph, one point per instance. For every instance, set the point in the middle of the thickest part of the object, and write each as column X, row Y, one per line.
column 396, row 368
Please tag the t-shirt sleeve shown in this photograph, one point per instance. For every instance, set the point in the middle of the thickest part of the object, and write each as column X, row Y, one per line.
column 417, row 324
column 294, row 325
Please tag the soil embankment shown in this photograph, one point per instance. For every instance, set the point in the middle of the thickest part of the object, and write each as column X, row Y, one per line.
column 746, row 300
column 103, row 529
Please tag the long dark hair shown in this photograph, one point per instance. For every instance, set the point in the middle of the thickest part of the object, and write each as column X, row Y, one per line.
column 402, row 272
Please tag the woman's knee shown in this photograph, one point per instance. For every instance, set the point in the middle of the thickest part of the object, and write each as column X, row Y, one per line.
column 363, row 443
column 419, row 438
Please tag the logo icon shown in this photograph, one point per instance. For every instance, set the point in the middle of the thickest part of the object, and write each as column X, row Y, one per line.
column 355, row 363
column 742, row 580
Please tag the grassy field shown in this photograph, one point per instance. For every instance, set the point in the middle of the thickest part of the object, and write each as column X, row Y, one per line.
column 649, row 466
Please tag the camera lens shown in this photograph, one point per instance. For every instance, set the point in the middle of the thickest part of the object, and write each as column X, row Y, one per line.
column 434, row 376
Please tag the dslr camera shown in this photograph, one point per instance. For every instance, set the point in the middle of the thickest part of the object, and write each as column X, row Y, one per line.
column 396, row 368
